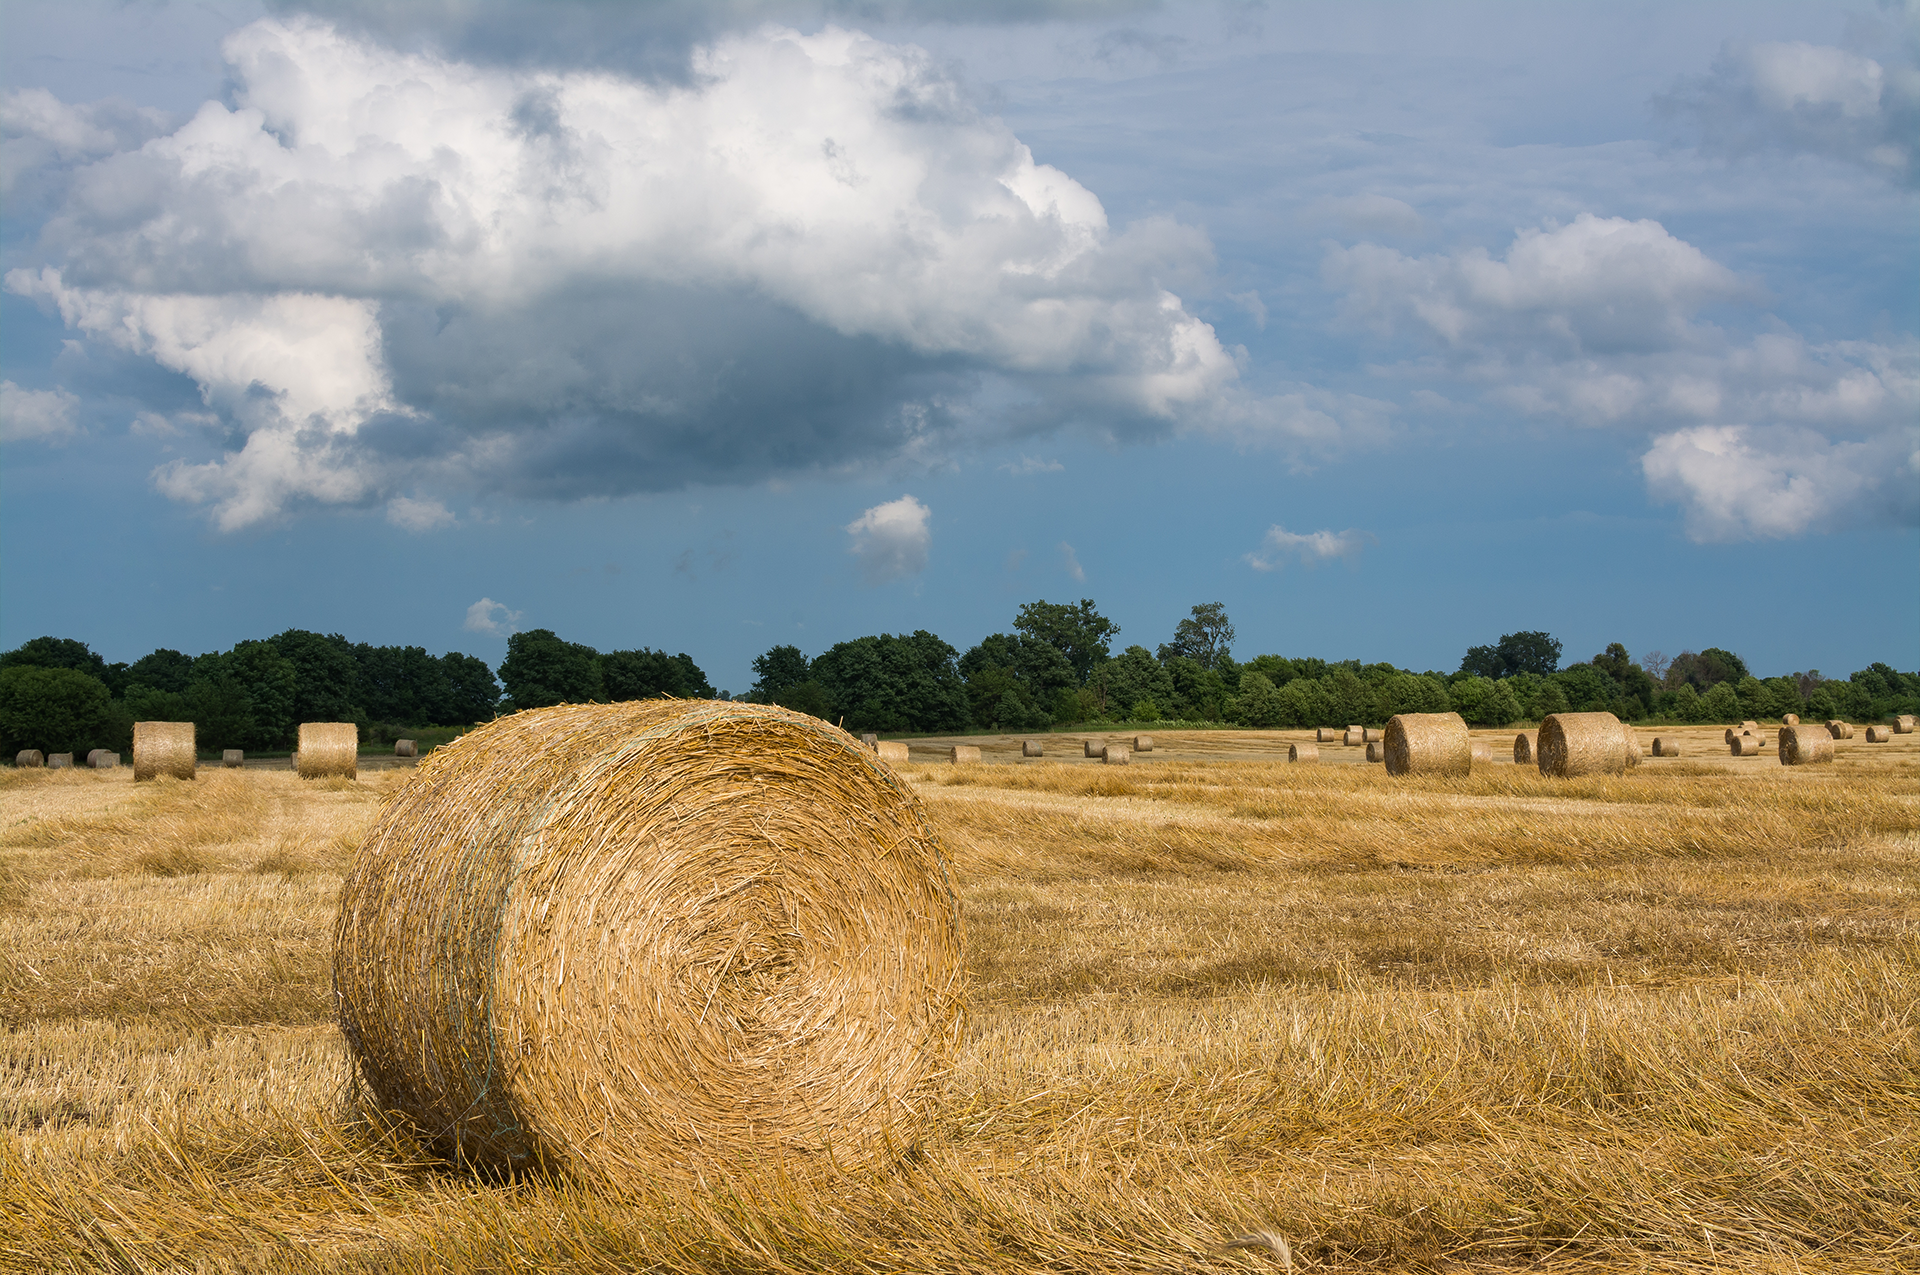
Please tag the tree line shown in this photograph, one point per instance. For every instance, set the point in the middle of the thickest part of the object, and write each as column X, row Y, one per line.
column 1055, row 667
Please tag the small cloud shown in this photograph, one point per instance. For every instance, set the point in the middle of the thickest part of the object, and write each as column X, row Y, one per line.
column 419, row 515
column 36, row 415
column 490, row 617
column 1072, row 561
column 1312, row 547
column 1032, row 465
column 891, row 540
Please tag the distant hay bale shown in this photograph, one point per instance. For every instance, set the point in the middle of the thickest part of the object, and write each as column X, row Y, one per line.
column 893, row 750
column 1425, row 744
column 163, row 748
column 1805, row 745
column 328, row 749
column 1732, row 733
column 1030, row 748
column 59, row 761
column 1303, row 752
column 1094, row 749
column 1373, row 735
column 1839, row 729
column 101, row 759
column 1143, row 743
column 233, row 758
column 1903, row 724
column 1750, row 727
column 1523, row 749
column 1744, row 746
column 1879, row 734
column 652, row 940
column 405, row 748
column 1576, row 744
column 870, row 739
column 1791, row 719
column 29, row 757
column 1116, row 755
column 1664, row 747
column 963, row 754
column 1353, row 737
column 1326, row 735
column 1629, row 745
column 93, row 756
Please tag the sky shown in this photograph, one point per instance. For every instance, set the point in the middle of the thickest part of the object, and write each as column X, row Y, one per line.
column 708, row 328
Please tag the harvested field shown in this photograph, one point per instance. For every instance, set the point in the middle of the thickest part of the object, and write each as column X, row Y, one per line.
column 1660, row 1021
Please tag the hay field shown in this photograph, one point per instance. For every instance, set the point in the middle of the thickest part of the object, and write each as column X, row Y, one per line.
column 1227, row 1014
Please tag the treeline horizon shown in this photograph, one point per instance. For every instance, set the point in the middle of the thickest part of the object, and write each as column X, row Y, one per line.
column 1056, row 668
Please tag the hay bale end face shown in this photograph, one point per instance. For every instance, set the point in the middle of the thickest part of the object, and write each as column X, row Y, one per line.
column 1805, row 745
column 1903, row 724
column 59, row 761
column 163, row 748
column 963, row 754
column 1303, row 752
column 232, row 758
column 1839, row 729
column 1629, row 745
column 1326, row 735
column 101, row 759
column 1663, row 747
column 1143, row 743
column 1576, row 744
column 1094, row 747
column 1116, row 755
column 405, row 748
column 652, row 940
column 1791, row 719
column 93, row 757
column 1879, row 734
column 1744, row 746
column 328, row 749
column 1425, row 744
column 1523, row 749
column 1031, row 748
column 29, row 758
column 893, row 750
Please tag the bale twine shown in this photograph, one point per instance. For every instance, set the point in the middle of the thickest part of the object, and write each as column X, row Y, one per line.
column 1523, row 749
column 653, row 939
column 1879, row 734
column 59, row 761
column 1303, row 752
column 1839, row 729
column 893, row 750
column 1425, row 744
column 405, row 748
column 163, row 748
column 29, row 757
column 1805, row 745
column 1903, row 724
column 1744, row 746
column 1326, row 735
column 1353, row 737
column 101, row 759
column 1663, row 747
column 328, row 749
column 1116, row 755
column 1143, row 743
column 1031, row 748
column 1093, row 748
column 1791, row 719
column 963, row 754
column 233, row 758
column 1575, row 744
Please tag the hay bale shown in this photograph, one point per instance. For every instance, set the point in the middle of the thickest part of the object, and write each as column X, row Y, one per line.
column 1143, row 743
column 1575, row 744
column 1744, row 746
column 1903, row 724
column 233, row 758
column 1093, row 748
column 653, row 939
column 101, row 759
column 869, row 738
column 1030, row 748
column 1353, row 737
column 1326, row 735
column 1424, row 744
column 1374, row 735
column 893, row 750
column 1116, row 755
column 1839, row 729
column 163, row 748
column 963, row 755
column 1523, row 749
column 93, row 754
column 1749, row 727
column 1879, row 734
column 29, row 757
column 405, row 748
column 59, row 761
column 1791, row 719
column 1303, row 752
column 1732, row 733
column 1629, row 745
column 1664, row 747
column 328, row 749
column 1805, row 745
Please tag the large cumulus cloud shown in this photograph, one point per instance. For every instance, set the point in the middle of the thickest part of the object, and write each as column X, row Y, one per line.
column 388, row 268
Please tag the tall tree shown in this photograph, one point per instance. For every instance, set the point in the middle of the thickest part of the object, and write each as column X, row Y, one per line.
column 894, row 683
column 541, row 669
column 163, row 670
column 53, row 652
column 1205, row 637
column 1080, row 632
column 777, row 670
column 325, row 675
column 646, row 673
column 472, row 693
column 1531, row 651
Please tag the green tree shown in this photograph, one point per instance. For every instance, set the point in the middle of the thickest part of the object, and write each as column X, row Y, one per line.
column 1080, row 633
column 646, row 673
column 1720, row 704
column 245, row 698
column 1499, row 708
column 894, row 683
column 472, row 693
column 542, row 670
column 53, row 709
column 325, row 676
column 53, row 652
column 1551, row 699
column 163, row 670
column 1303, row 702
column 402, row 685
column 1130, row 677
column 1259, row 703
column 1468, row 695
column 1014, row 681
column 1205, row 637
column 1532, row 651
column 776, row 670
column 1199, row 694
column 1705, row 669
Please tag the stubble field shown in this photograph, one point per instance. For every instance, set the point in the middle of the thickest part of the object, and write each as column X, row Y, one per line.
column 1227, row 1014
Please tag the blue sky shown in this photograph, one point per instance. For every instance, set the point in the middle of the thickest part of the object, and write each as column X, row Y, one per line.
column 1393, row 327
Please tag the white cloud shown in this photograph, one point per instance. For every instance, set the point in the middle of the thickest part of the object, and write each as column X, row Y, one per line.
column 1027, row 466
column 1071, row 561
column 1310, row 547
column 490, row 617
column 891, row 540
column 418, row 515
column 1738, row 483
column 44, row 416
column 38, row 131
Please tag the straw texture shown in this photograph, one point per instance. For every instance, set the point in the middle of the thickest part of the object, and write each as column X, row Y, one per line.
column 1629, row 745
column 1353, row 737
column 405, row 748
column 233, row 757
column 1744, row 746
column 1903, row 724
column 1376, row 751
column 652, row 939
column 1116, row 755
column 163, row 748
column 1373, row 735
column 1143, row 743
column 1031, row 748
column 1326, row 735
column 328, row 749
column 1523, row 749
column 1425, row 744
column 1665, row 747
column 29, row 757
column 1303, row 752
column 1575, row 744
column 1879, row 734
column 1805, row 745
column 963, row 754
column 893, row 750
column 1839, row 729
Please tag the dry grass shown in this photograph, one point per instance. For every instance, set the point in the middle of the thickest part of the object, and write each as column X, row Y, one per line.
column 1664, row 1021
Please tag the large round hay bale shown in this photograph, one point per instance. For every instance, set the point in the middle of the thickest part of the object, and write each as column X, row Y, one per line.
column 1425, row 744
column 30, row 757
column 1303, row 752
column 893, row 750
column 405, row 748
column 1353, row 737
column 1575, row 744
column 1732, row 733
column 1744, row 746
column 1116, row 755
column 1523, row 749
column 963, row 754
column 1031, row 748
column 328, row 749
column 1879, row 734
column 1839, row 729
column 1665, row 747
column 651, row 939
column 233, row 758
column 59, row 761
column 1629, row 745
column 1805, row 745
column 1903, row 724
column 163, row 748
column 1377, row 751
column 1143, row 743
column 1093, row 747
column 1326, row 735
